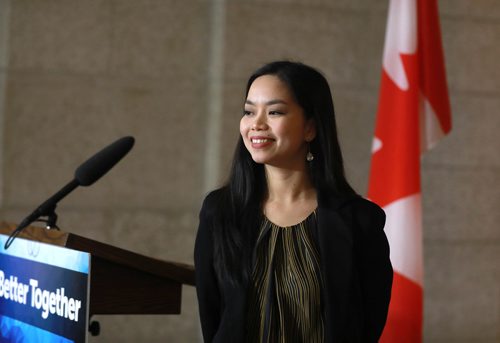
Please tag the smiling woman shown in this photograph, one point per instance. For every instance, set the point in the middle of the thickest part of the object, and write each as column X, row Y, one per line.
column 286, row 251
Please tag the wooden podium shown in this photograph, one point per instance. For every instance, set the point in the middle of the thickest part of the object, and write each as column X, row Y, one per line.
column 121, row 282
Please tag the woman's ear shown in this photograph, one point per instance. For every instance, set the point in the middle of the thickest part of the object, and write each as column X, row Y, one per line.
column 310, row 130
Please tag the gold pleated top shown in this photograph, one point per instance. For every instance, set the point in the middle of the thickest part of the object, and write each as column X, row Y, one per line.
column 284, row 303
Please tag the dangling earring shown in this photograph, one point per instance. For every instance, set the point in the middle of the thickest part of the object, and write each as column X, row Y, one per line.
column 309, row 156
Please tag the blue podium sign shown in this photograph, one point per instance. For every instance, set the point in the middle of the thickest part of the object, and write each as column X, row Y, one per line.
column 44, row 293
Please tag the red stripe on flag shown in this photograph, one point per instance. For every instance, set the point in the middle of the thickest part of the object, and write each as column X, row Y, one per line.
column 432, row 70
column 403, row 325
column 395, row 168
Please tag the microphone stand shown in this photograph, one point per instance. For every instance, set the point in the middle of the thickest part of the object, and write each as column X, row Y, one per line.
column 47, row 209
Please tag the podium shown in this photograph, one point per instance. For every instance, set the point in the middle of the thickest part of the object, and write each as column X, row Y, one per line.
column 121, row 281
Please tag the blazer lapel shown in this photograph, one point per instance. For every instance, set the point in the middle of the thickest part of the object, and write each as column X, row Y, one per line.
column 335, row 244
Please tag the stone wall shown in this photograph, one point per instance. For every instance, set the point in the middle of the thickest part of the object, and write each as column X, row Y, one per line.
column 76, row 75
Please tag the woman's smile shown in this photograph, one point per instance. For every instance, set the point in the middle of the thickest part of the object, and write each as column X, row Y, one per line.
column 259, row 142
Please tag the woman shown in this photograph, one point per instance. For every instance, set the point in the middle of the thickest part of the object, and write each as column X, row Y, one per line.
column 286, row 251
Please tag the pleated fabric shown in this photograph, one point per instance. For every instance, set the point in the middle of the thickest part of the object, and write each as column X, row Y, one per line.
column 284, row 302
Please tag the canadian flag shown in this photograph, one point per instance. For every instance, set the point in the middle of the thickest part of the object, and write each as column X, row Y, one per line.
column 413, row 114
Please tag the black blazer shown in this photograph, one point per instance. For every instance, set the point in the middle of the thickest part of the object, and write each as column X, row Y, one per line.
column 355, row 265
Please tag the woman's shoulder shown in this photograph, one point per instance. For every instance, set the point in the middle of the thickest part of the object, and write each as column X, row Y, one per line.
column 362, row 205
column 366, row 214
column 362, row 210
column 213, row 200
column 207, row 215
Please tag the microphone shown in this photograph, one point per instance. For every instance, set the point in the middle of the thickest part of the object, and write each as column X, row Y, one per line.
column 95, row 167
column 85, row 175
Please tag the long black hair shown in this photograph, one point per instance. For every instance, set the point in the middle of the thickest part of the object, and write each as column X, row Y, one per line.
column 238, row 214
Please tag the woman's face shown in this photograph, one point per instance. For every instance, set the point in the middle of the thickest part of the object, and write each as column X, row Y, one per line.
column 274, row 128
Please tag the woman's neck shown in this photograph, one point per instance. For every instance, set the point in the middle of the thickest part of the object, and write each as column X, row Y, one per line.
column 291, row 196
column 288, row 186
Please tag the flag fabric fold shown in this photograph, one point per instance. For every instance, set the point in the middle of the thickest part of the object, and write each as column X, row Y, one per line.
column 412, row 115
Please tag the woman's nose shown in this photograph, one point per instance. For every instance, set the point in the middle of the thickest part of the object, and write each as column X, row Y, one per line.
column 259, row 123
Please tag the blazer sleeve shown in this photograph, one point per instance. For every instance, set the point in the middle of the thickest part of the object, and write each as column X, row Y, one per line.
column 207, row 289
column 374, row 268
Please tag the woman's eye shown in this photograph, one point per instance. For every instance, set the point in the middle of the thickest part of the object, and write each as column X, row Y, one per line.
column 246, row 113
column 275, row 112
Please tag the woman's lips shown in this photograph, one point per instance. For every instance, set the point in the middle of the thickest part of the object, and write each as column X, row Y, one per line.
column 260, row 142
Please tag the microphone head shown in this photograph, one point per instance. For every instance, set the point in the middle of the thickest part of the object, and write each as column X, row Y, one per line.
column 91, row 170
